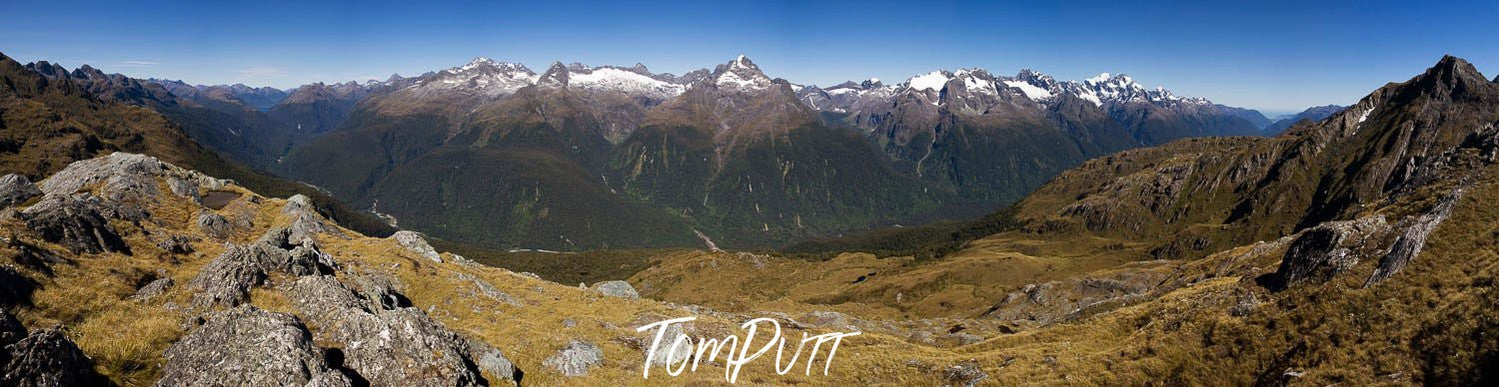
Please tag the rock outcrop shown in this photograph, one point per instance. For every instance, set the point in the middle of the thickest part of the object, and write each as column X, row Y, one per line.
column 43, row 358
column 214, row 225
column 414, row 242
column 226, row 281
column 575, row 359
column 74, row 222
column 153, row 289
column 1328, row 249
column 619, row 289
column 16, row 189
column 1410, row 242
column 249, row 346
column 306, row 221
column 387, row 345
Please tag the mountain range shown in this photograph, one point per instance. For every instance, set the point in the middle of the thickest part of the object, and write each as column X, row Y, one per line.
column 578, row 157
column 1359, row 249
column 570, row 157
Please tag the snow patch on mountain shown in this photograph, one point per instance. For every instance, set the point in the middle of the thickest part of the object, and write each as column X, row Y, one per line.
column 613, row 79
column 930, row 81
column 1031, row 91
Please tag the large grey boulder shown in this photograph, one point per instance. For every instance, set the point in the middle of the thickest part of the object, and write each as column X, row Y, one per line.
column 484, row 288
column 620, row 289
column 153, row 289
column 48, row 358
column 386, row 346
column 214, row 225
column 248, row 346
column 494, row 363
column 226, row 281
column 967, row 374
column 575, row 359
column 75, row 223
column 16, row 189
column 414, row 242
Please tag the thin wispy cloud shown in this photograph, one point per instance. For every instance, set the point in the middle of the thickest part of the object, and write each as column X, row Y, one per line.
column 137, row 63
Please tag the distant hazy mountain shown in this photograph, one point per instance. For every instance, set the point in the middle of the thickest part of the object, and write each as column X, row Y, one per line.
column 259, row 98
column 1313, row 114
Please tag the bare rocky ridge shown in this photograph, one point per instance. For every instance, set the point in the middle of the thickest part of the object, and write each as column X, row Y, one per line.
column 228, row 342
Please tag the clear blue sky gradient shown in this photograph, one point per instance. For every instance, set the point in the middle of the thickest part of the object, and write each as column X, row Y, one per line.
column 1273, row 56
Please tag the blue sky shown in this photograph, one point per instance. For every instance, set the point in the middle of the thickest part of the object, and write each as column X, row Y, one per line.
column 1269, row 55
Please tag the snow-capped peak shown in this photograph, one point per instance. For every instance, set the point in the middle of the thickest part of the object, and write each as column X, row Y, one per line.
column 740, row 74
column 741, row 61
column 482, row 75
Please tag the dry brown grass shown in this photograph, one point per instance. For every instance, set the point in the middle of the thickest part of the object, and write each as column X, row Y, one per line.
column 1413, row 328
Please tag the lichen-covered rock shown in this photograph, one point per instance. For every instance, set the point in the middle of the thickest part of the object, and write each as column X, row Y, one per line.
column 226, row 281
column 575, row 359
column 214, row 225
column 124, row 176
column 399, row 346
column 184, row 188
column 248, row 346
column 967, row 374
column 620, row 289
column 16, row 189
column 828, row 319
column 48, row 358
column 74, row 222
column 381, row 290
column 485, row 289
column 176, row 244
column 153, row 289
column 1413, row 239
column 121, row 176
column 414, row 242
column 306, row 222
column 1322, row 252
column 492, row 362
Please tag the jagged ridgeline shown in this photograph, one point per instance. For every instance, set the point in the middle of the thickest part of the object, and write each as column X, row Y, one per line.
column 581, row 157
